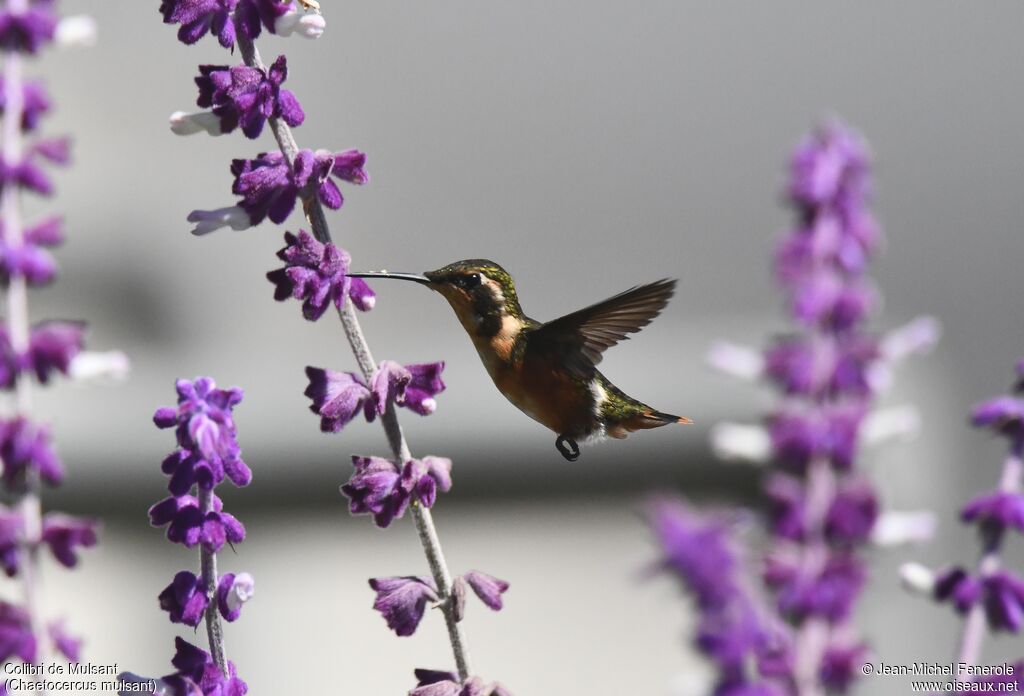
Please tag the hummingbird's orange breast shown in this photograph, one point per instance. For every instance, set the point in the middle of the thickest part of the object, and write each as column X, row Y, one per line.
column 536, row 387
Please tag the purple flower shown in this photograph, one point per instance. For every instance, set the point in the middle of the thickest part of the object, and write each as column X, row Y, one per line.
column 437, row 683
column 841, row 665
column 1001, row 594
column 64, row 534
column 338, row 397
column 247, row 97
column 825, row 366
column 425, row 384
column 1004, row 414
column 12, row 527
column 197, row 17
column 798, row 437
column 802, row 592
column 52, row 346
column 402, row 601
column 35, row 102
column 269, row 187
column 188, row 526
column 997, row 510
column 828, row 167
column 204, row 425
column 184, row 599
column 24, row 446
column 699, row 551
column 232, row 592
column 378, row 487
column 28, row 29
column 786, row 506
column 852, row 514
column 315, row 272
column 196, row 664
column 487, row 587
column 66, row 644
column 29, row 260
column 16, row 638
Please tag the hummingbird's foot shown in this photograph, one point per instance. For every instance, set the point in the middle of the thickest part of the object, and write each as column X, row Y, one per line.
column 568, row 448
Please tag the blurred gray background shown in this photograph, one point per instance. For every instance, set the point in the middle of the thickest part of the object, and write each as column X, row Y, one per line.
column 587, row 147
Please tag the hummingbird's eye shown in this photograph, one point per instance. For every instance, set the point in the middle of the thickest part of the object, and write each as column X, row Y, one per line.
column 470, row 281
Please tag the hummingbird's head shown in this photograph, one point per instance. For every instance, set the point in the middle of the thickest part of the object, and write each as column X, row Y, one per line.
column 481, row 292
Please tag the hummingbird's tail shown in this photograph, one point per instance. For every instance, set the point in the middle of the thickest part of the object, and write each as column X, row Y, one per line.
column 644, row 420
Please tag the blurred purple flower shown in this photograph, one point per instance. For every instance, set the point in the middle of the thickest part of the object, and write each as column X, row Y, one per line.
column 66, row 644
column 35, row 102
column 26, row 30
column 64, row 534
column 16, row 639
column 997, row 511
column 24, row 446
column 12, row 528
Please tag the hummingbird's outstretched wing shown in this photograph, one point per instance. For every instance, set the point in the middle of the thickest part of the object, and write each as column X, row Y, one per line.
column 577, row 340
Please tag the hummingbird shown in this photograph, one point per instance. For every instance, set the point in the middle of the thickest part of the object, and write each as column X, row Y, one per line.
column 548, row 370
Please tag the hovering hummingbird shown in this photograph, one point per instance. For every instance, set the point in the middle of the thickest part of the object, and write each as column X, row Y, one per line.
column 548, row 370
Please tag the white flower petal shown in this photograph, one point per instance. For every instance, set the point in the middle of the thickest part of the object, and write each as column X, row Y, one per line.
column 895, row 527
column 896, row 423
column 917, row 579
column 309, row 25
column 242, row 590
column 183, row 123
column 736, row 360
column 917, row 336
column 76, row 31
column 211, row 220
column 737, row 442
column 96, row 365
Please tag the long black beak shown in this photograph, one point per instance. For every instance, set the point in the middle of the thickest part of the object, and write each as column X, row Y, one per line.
column 415, row 277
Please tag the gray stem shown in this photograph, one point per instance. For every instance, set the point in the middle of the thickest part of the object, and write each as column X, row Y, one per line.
column 392, row 429
column 208, row 569
column 18, row 330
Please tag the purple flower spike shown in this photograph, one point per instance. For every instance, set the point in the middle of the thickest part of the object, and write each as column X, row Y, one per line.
column 375, row 489
column 402, row 601
column 66, row 644
column 247, row 97
column 426, row 383
column 27, row 30
column 232, row 592
column 997, row 510
column 487, row 587
column 65, row 534
column 828, row 166
column 184, row 599
column 841, row 665
column 313, row 272
column 337, row 398
column 16, row 638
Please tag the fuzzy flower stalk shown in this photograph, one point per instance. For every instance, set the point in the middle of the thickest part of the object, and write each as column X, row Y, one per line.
column 251, row 97
column 822, row 510
column 30, row 352
column 207, row 454
column 990, row 596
